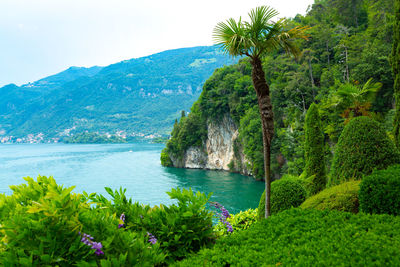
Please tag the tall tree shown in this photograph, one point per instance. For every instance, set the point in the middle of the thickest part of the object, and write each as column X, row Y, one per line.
column 255, row 39
column 314, row 170
column 396, row 70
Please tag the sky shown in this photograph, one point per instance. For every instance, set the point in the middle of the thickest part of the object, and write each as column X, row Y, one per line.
column 39, row 38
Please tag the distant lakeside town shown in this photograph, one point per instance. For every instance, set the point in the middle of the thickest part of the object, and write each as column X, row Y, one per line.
column 85, row 137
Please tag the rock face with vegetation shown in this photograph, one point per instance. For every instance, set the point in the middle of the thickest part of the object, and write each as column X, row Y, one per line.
column 218, row 150
column 209, row 137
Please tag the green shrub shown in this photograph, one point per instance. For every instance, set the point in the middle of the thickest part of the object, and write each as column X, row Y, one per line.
column 380, row 192
column 240, row 221
column 179, row 229
column 363, row 146
column 343, row 197
column 298, row 237
column 314, row 151
column 285, row 193
column 42, row 224
column 165, row 159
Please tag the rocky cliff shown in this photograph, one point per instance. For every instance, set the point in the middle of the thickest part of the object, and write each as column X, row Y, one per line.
column 220, row 151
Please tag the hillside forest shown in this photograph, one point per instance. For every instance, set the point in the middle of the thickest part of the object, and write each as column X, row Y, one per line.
column 344, row 68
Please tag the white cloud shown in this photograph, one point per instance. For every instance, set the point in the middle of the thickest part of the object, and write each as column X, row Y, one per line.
column 42, row 37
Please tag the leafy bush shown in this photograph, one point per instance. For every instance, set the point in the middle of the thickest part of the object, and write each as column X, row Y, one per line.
column 343, row 197
column 380, row 191
column 314, row 151
column 182, row 228
column 240, row 221
column 179, row 229
column 165, row 159
column 308, row 238
column 363, row 146
column 40, row 223
column 285, row 193
column 43, row 224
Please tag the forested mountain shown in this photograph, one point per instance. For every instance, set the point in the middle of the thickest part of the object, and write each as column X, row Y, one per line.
column 344, row 68
column 142, row 95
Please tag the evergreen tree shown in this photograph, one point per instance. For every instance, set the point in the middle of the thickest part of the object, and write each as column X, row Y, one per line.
column 363, row 147
column 396, row 70
column 314, row 170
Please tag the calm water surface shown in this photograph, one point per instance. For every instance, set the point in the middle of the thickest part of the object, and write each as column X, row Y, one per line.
column 135, row 167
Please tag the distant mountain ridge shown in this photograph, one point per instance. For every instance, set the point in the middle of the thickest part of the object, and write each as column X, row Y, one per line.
column 142, row 95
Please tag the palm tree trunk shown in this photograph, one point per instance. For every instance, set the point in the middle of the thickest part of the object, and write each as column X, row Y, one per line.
column 267, row 119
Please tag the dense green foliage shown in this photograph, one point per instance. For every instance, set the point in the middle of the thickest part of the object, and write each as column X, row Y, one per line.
column 190, row 131
column 250, row 135
column 142, row 95
column 314, row 151
column 240, row 221
column 165, row 159
column 215, row 101
column 343, row 197
column 43, row 223
column 285, row 194
column 308, row 238
column 363, row 146
column 229, row 91
column 396, row 69
column 341, row 66
column 93, row 138
column 380, row 192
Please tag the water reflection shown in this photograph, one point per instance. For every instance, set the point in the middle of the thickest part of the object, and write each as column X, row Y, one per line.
column 135, row 167
column 236, row 192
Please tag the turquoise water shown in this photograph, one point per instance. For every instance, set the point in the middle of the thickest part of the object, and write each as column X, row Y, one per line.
column 135, row 167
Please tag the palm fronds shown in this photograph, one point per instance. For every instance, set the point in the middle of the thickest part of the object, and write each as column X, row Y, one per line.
column 258, row 36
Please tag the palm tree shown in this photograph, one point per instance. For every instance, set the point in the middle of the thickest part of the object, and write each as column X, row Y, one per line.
column 355, row 99
column 255, row 39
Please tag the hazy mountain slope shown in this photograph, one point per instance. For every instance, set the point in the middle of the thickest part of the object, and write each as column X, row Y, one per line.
column 138, row 95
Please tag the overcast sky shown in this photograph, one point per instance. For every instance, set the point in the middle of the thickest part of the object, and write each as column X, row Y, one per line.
column 39, row 38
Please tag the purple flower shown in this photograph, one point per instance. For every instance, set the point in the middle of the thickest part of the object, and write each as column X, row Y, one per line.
column 223, row 214
column 97, row 246
column 121, row 221
column 152, row 238
column 228, row 226
column 87, row 240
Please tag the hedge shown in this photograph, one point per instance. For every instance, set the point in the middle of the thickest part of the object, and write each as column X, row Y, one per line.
column 308, row 238
column 363, row 146
column 343, row 197
column 380, row 192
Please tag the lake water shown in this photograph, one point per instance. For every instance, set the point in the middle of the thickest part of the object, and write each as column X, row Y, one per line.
column 135, row 167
